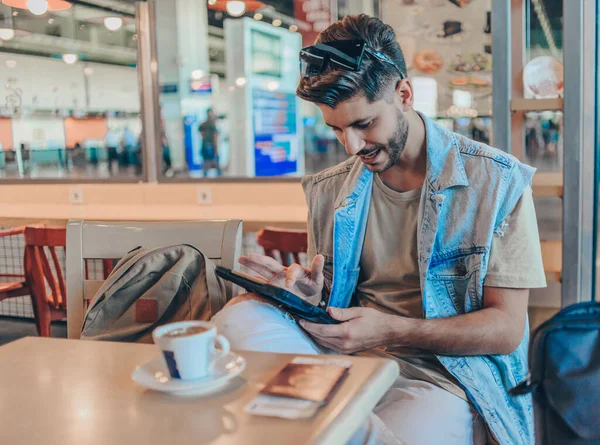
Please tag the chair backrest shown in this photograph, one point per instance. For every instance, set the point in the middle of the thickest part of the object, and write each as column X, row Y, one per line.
column 289, row 243
column 9, row 244
column 220, row 240
column 46, row 282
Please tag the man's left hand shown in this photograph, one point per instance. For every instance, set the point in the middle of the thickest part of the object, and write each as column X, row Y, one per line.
column 362, row 328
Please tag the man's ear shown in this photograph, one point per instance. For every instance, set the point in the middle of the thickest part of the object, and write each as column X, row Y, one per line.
column 404, row 94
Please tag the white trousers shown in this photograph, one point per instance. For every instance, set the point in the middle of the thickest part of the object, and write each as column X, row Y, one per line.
column 412, row 412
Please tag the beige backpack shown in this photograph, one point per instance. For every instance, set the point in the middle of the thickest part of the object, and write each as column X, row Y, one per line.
column 151, row 287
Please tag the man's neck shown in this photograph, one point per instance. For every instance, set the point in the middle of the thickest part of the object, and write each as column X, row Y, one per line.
column 409, row 172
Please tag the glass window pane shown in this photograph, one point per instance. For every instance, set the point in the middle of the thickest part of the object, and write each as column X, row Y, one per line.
column 543, row 74
column 247, row 76
column 545, row 28
column 543, row 78
column 448, row 53
column 69, row 101
column 544, row 140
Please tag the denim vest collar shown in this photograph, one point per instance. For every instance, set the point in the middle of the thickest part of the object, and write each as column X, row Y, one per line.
column 445, row 169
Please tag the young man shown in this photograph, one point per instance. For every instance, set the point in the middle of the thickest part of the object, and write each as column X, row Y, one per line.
column 425, row 245
column 209, row 135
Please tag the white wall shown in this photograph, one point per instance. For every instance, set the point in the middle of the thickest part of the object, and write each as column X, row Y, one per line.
column 38, row 131
column 50, row 84
column 113, row 88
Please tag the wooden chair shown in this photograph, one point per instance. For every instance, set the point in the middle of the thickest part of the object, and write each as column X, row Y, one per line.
column 289, row 243
column 221, row 241
column 12, row 285
column 46, row 284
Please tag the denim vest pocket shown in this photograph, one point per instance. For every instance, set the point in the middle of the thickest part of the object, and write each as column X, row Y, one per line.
column 458, row 275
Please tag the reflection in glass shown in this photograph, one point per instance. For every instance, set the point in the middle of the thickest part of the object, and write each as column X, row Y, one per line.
column 447, row 48
column 544, row 29
column 544, row 140
column 69, row 102
column 543, row 73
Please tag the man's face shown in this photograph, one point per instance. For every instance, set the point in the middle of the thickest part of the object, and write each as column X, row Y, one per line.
column 376, row 132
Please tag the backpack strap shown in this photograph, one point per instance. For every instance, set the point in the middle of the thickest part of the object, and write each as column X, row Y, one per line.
column 216, row 290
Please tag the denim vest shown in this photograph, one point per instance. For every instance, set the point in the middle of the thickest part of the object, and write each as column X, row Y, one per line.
column 469, row 190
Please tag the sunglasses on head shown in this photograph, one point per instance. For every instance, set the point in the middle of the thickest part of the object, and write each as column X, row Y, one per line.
column 341, row 54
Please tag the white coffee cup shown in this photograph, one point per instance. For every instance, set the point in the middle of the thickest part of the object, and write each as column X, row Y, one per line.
column 189, row 348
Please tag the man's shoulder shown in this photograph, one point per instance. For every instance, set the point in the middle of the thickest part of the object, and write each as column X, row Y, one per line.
column 478, row 152
column 331, row 176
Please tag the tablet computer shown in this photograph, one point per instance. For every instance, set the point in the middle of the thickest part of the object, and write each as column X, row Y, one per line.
column 281, row 297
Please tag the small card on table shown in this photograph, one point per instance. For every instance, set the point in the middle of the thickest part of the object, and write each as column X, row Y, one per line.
column 300, row 388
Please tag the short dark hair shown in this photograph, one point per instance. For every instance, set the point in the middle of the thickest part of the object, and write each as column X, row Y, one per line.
column 373, row 77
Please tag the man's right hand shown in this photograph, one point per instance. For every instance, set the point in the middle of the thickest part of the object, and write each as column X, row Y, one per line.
column 305, row 283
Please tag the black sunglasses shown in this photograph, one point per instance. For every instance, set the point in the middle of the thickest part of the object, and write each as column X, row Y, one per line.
column 342, row 54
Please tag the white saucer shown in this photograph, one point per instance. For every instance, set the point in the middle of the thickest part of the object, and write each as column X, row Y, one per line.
column 154, row 375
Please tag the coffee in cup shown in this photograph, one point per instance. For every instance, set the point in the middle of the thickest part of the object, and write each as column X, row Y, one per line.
column 184, row 332
column 189, row 348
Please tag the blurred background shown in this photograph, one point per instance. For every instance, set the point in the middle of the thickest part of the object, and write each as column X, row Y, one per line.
column 193, row 102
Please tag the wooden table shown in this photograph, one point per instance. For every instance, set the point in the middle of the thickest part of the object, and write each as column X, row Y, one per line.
column 63, row 392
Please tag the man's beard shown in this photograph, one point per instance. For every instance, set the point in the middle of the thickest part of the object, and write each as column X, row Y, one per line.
column 393, row 148
column 396, row 144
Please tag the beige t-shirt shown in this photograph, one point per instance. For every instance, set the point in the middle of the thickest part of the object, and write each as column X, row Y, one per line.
column 389, row 277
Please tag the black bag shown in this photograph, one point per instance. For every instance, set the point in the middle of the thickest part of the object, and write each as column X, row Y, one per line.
column 564, row 361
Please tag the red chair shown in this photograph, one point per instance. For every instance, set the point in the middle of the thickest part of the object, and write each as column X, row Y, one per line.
column 289, row 243
column 12, row 285
column 46, row 284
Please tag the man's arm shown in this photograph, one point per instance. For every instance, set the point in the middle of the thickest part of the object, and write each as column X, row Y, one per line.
column 496, row 329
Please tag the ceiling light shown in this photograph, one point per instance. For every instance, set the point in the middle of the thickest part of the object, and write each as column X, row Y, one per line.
column 277, row 22
column 273, row 85
column 50, row 21
column 70, row 59
column 235, row 8
column 293, row 28
column 113, row 23
column 88, row 71
column 37, row 7
column 258, row 16
column 240, row 81
column 197, row 74
column 6, row 33
column 10, row 63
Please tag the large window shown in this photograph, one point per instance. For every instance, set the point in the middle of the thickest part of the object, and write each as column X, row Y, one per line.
column 543, row 78
column 69, row 101
column 448, row 53
column 244, row 120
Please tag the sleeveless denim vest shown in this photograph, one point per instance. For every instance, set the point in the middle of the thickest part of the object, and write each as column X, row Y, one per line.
column 469, row 191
